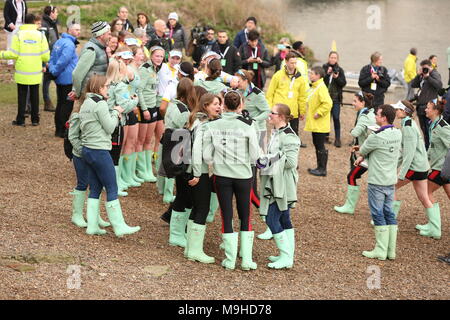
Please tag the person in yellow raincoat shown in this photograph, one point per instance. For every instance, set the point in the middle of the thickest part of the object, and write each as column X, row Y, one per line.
column 410, row 71
column 318, row 112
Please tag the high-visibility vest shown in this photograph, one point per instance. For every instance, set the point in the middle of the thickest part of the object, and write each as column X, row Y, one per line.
column 29, row 48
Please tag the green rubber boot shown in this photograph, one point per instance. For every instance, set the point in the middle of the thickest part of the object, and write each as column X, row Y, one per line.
column 286, row 257
column 188, row 232
column 230, row 242
column 121, row 169
column 120, row 191
column 102, row 223
column 396, row 207
column 434, row 229
column 247, row 238
column 149, row 168
column 79, row 197
column 424, row 227
column 290, row 233
column 381, row 247
column 115, row 215
column 392, row 244
column 351, row 201
column 160, row 181
column 266, row 235
column 213, row 206
column 127, row 175
column 92, row 215
column 195, row 241
column 178, row 222
column 168, row 190
column 134, row 159
column 141, row 167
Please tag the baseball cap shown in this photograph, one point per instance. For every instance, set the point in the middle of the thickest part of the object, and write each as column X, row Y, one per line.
column 175, row 53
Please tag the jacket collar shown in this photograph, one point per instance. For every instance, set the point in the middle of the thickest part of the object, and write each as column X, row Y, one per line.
column 28, row 27
column 69, row 36
column 317, row 83
column 98, row 43
column 230, row 115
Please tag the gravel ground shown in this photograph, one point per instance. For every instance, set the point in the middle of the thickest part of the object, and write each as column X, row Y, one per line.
column 39, row 245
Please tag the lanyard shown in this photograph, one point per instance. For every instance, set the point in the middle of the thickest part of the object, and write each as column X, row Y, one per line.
column 255, row 54
column 291, row 86
column 311, row 92
column 225, row 52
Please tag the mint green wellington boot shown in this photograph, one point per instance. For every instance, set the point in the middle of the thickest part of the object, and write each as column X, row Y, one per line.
column 168, row 190
column 102, row 223
column 290, row 233
column 178, row 222
column 160, row 181
column 92, row 215
column 286, row 258
column 392, row 244
column 434, row 229
column 128, row 171
column 188, row 232
column 134, row 158
column 213, row 206
column 266, row 235
column 79, row 197
column 230, row 242
column 148, row 162
column 141, row 167
column 195, row 241
column 381, row 247
column 396, row 207
column 246, row 251
column 121, row 173
column 426, row 226
column 120, row 191
column 351, row 201
column 115, row 216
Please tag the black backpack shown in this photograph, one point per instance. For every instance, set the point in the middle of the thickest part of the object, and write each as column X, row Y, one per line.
column 176, row 151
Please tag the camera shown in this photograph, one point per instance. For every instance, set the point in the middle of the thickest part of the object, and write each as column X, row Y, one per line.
column 335, row 69
column 425, row 70
column 199, row 33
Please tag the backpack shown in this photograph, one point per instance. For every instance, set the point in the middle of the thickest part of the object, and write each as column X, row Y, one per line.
column 176, row 151
column 67, row 145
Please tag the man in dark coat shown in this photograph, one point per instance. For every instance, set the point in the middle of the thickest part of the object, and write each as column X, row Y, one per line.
column 374, row 79
column 231, row 61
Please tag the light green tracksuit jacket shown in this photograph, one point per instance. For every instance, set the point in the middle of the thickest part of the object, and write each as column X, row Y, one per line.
column 439, row 143
column 258, row 107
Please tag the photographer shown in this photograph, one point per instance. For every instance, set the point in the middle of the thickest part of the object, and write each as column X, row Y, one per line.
column 335, row 81
column 429, row 82
column 203, row 42
column 374, row 79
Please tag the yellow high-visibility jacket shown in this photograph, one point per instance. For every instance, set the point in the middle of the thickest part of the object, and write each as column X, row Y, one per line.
column 318, row 101
column 279, row 88
column 29, row 48
column 409, row 68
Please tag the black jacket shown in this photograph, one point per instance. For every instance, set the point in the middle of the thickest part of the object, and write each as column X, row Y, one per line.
column 200, row 50
column 233, row 60
column 446, row 114
column 155, row 40
column 429, row 89
column 365, row 81
column 10, row 13
column 127, row 26
column 245, row 53
column 50, row 29
column 337, row 85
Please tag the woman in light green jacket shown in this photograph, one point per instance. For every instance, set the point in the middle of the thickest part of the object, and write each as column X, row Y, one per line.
column 213, row 83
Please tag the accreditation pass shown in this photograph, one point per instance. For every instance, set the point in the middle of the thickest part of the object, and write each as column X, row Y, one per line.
column 226, row 309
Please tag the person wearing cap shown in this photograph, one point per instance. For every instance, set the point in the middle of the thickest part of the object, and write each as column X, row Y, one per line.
column 63, row 61
column 365, row 120
column 93, row 59
column 122, row 14
column 177, row 36
column 242, row 36
column 255, row 57
column 413, row 163
column 439, row 148
column 429, row 81
column 382, row 149
column 30, row 48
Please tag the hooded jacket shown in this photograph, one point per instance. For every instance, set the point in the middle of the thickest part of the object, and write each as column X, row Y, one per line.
column 177, row 37
column 64, row 59
column 318, row 101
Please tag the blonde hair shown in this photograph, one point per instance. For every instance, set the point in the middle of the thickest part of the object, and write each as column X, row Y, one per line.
column 95, row 83
column 113, row 74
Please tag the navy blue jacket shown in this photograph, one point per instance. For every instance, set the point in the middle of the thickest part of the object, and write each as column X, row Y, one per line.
column 64, row 59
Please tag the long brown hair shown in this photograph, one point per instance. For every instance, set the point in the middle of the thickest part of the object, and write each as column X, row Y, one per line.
column 215, row 69
column 186, row 93
column 205, row 101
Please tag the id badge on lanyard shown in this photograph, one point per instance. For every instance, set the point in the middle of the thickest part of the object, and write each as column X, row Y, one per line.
column 291, row 87
column 223, row 61
column 373, row 85
column 255, row 55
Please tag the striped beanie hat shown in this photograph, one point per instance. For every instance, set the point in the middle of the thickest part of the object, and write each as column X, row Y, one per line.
column 99, row 28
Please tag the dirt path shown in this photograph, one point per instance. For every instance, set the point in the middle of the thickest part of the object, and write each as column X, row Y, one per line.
column 37, row 238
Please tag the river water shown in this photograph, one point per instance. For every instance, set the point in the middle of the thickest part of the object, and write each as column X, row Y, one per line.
column 362, row 27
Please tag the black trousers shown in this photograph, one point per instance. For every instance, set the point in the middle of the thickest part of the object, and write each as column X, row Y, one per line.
column 319, row 140
column 201, row 196
column 64, row 108
column 183, row 199
column 240, row 188
column 22, row 91
column 294, row 125
column 425, row 126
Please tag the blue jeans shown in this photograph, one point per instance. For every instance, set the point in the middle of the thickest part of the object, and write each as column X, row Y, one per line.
column 81, row 171
column 335, row 112
column 101, row 173
column 277, row 220
column 380, row 204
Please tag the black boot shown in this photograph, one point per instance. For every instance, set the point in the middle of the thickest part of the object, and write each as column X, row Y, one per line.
column 322, row 159
column 337, row 143
column 166, row 215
